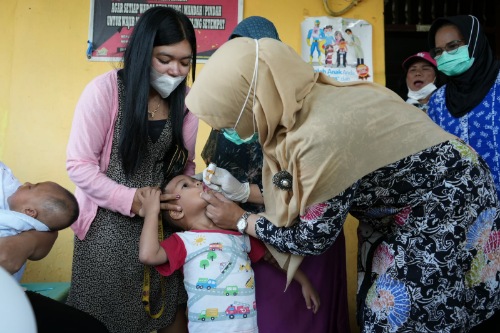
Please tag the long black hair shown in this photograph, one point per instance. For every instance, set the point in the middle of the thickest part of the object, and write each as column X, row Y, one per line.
column 157, row 26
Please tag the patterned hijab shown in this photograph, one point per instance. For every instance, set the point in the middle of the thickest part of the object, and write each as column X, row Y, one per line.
column 465, row 91
column 256, row 27
column 325, row 134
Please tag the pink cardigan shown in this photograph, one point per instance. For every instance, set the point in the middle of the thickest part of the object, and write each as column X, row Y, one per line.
column 89, row 151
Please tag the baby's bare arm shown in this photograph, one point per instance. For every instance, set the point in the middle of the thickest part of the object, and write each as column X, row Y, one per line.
column 32, row 245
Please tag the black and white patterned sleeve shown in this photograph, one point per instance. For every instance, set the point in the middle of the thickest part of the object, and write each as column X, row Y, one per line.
column 315, row 231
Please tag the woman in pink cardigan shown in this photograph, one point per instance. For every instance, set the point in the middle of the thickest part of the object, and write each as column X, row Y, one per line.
column 128, row 129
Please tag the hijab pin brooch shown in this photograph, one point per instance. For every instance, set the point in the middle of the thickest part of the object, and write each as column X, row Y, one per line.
column 283, row 180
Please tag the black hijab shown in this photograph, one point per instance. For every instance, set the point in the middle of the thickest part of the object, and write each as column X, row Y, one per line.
column 467, row 90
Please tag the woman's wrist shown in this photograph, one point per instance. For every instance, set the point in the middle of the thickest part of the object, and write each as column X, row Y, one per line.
column 250, row 229
column 255, row 196
column 242, row 223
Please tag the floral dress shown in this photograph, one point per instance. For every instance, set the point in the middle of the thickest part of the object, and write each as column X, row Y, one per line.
column 245, row 163
column 437, row 266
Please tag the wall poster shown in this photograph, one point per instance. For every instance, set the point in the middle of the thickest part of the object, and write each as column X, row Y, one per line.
column 339, row 47
column 112, row 22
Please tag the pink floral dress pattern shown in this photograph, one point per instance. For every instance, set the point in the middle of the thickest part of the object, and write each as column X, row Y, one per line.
column 436, row 264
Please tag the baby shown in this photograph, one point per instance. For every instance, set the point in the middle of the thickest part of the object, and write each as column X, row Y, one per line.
column 44, row 207
column 218, row 276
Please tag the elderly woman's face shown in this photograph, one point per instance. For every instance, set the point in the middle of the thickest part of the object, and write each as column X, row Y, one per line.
column 420, row 74
column 448, row 38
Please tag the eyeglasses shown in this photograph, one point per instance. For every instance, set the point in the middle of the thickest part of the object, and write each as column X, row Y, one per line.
column 451, row 48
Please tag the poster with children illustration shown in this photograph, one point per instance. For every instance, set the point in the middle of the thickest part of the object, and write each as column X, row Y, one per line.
column 339, row 47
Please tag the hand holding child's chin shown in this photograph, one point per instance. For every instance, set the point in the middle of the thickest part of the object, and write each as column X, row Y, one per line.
column 166, row 202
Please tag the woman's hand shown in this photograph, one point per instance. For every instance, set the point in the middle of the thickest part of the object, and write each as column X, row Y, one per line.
column 223, row 212
column 221, row 180
column 165, row 205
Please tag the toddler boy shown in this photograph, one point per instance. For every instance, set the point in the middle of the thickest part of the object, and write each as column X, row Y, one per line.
column 218, row 276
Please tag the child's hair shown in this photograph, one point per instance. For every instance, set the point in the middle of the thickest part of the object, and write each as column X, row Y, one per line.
column 63, row 210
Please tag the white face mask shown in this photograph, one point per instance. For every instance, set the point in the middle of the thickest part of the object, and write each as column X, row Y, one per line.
column 422, row 93
column 164, row 84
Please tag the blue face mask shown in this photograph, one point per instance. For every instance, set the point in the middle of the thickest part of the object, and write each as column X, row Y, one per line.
column 457, row 63
column 234, row 137
column 230, row 133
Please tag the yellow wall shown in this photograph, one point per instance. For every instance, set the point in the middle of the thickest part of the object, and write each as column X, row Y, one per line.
column 43, row 70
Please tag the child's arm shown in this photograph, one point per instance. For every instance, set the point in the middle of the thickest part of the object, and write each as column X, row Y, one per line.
column 310, row 294
column 150, row 251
